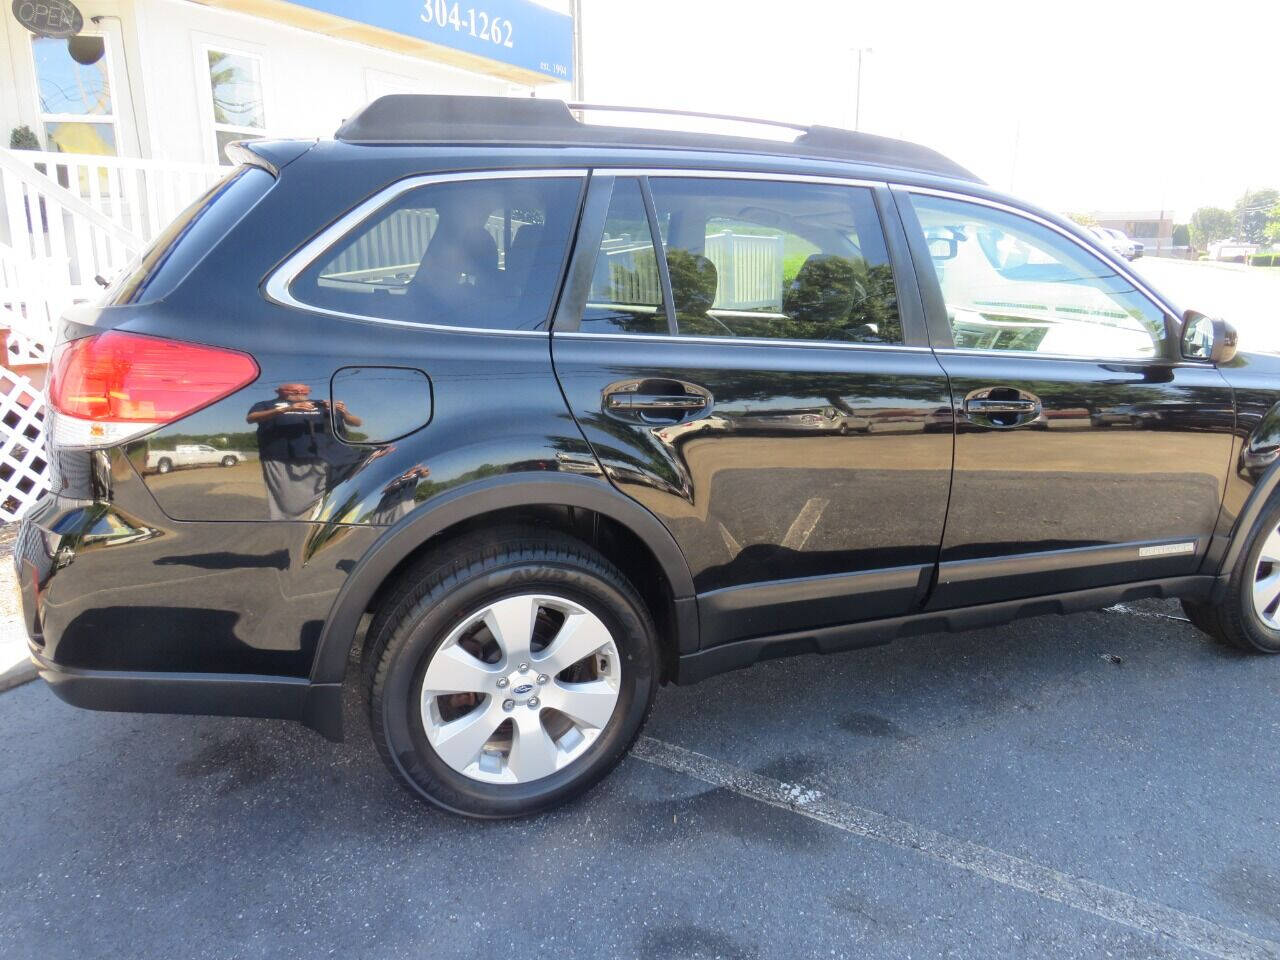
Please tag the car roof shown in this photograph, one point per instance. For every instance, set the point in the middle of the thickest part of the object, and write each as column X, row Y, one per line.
column 405, row 119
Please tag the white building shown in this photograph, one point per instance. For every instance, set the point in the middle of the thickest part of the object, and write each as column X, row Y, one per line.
column 176, row 79
column 131, row 102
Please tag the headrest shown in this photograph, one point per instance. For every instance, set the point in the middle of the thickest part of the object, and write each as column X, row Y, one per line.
column 694, row 281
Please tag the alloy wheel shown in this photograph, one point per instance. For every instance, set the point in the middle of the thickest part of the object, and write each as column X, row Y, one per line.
column 1266, row 581
column 520, row 688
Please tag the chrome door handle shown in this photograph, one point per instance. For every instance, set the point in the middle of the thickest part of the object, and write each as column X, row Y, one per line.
column 974, row 405
column 650, row 401
column 1001, row 407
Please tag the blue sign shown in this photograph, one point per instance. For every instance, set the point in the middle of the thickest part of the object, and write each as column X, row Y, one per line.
column 515, row 32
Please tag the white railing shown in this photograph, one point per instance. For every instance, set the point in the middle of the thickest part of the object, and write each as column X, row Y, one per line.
column 66, row 221
column 141, row 196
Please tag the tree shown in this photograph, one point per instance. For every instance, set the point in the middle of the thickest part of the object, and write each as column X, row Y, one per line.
column 21, row 138
column 1252, row 213
column 1084, row 219
column 1209, row 224
column 1181, row 235
column 1272, row 232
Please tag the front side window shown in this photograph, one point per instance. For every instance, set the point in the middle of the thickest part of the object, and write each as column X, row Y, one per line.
column 76, row 107
column 1010, row 283
column 467, row 253
column 235, row 84
column 783, row 260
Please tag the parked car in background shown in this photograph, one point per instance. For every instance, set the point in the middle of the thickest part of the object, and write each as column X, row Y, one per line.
column 1117, row 241
column 550, row 413
column 191, row 455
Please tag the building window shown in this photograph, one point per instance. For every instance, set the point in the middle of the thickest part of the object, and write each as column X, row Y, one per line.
column 74, row 86
column 235, row 85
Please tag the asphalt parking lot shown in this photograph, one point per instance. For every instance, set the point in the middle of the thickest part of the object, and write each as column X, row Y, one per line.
column 1104, row 785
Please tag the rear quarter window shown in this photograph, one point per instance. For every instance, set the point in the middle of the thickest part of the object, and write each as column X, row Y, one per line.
column 479, row 253
column 191, row 235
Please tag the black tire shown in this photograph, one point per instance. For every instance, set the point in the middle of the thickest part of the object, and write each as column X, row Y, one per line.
column 229, row 461
column 164, row 465
column 435, row 595
column 1233, row 621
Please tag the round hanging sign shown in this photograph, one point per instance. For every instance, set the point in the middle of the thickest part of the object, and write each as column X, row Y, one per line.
column 49, row 18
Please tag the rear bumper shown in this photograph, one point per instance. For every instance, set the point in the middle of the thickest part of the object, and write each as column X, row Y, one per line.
column 317, row 705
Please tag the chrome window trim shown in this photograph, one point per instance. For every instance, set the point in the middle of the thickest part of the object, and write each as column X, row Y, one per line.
column 1031, row 355
column 738, row 341
column 709, row 173
column 276, row 286
column 1122, row 270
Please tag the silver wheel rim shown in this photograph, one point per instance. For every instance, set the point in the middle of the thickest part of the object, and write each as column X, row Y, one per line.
column 1266, row 581
column 520, row 689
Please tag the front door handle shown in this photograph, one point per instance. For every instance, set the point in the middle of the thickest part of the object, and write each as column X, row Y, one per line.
column 988, row 407
column 1002, row 407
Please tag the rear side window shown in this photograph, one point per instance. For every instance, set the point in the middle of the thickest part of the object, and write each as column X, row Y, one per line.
column 466, row 253
column 776, row 259
column 626, row 290
column 191, row 235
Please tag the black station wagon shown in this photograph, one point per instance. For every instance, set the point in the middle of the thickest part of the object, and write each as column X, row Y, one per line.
column 530, row 416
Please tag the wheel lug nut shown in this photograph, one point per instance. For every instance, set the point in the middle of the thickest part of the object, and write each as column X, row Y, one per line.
column 542, row 678
column 508, row 705
column 502, row 683
column 533, row 703
column 524, row 668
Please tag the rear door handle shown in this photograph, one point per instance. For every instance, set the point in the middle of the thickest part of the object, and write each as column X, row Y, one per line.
column 652, row 401
column 655, row 400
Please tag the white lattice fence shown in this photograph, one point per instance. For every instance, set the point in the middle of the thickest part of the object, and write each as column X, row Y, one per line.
column 24, row 471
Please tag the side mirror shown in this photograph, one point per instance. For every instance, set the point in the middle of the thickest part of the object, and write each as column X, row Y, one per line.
column 1206, row 338
column 944, row 242
column 943, row 248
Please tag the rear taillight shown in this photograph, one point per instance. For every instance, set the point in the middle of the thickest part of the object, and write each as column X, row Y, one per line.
column 113, row 386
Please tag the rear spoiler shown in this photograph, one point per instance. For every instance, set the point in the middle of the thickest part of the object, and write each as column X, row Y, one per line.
column 269, row 155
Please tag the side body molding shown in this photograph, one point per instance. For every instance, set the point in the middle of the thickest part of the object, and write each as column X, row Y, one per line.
column 511, row 490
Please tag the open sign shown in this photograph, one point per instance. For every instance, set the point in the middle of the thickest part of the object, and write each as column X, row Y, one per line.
column 49, row 18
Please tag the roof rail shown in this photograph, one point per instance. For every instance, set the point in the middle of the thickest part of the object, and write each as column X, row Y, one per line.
column 405, row 118
column 755, row 121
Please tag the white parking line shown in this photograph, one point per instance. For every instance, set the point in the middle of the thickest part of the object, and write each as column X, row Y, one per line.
column 1148, row 614
column 1085, row 895
column 802, row 526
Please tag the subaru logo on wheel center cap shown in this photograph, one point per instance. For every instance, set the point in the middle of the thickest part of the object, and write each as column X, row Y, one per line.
column 523, row 689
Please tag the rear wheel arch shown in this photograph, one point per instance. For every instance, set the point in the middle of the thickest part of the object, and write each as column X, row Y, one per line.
column 498, row 501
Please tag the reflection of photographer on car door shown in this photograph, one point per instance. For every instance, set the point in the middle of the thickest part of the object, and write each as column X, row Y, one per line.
column 294, row 441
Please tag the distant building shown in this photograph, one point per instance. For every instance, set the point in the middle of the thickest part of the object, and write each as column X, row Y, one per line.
column 1152, row 228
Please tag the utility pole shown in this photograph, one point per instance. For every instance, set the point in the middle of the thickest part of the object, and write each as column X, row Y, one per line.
column 579, row 94
column 857, row 101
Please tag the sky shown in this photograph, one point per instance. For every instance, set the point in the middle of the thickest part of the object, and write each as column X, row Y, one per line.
column 1079, row 107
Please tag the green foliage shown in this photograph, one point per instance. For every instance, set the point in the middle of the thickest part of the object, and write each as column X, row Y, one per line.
column 1182, row 235
column 22, row 138
column 1253, row 213
column 1209, row 224
column 1272, row 231
column 1084, row 219
column 1264, row 260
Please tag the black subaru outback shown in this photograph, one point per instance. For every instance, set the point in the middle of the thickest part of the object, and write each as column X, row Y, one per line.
column 533, row 415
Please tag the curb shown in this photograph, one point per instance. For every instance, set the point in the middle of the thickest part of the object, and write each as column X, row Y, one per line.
column 22, row 672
